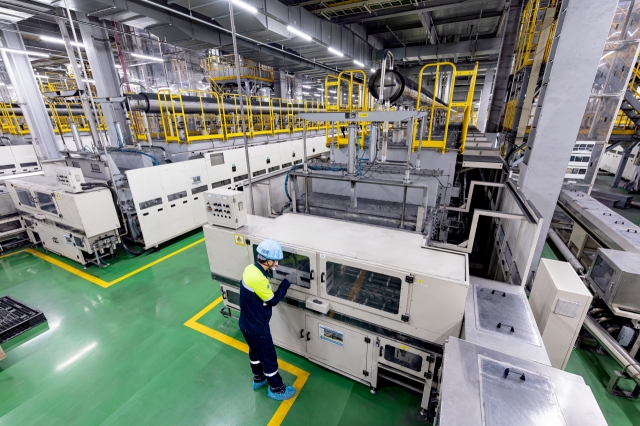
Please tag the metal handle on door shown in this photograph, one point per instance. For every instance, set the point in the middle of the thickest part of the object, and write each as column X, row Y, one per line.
column 308, row 338
column 302, row 334
column 380, row 351
column 311, row 274
column 224, row 296
column 322, row 277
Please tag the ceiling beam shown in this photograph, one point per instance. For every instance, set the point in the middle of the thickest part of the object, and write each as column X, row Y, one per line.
column 393, row 12
column 486, row 46
column 472, row 17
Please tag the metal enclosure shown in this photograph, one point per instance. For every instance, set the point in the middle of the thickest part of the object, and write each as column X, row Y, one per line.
column 16, row 159
column 481, row 386
column 390, row 304
column 559, row 301
column 70, row 224
column 226, row 207
column 615, row 277
column 498, row 316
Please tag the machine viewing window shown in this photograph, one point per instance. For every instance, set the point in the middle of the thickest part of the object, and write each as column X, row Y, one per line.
column 403, row 358
column 46, row 203
column 25, row 197
column 601, row 273
column 294, row 267
column 364, row 287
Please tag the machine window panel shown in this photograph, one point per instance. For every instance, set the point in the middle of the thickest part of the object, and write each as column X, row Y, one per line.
column 217, row 159
column 221, row 183
column 177, row 195
column 28, row 164
column 357, row 285
column 403, row 358
column 10, row 226
column 46, row 202
column 241, row 177
column 7, row 166
column 295, row 267
column 274, row 168
column 286, row 165
column 602, row 273
column 259, row 172
column 150, row 203
column 198, row 189
column 25, row 197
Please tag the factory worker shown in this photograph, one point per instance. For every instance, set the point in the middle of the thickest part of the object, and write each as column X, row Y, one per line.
column 256, row 300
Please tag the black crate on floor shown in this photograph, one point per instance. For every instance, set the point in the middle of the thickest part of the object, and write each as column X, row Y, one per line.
column 16, row 318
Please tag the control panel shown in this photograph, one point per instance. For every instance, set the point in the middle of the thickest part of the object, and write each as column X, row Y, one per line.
column 70, row 178
column 226, row 207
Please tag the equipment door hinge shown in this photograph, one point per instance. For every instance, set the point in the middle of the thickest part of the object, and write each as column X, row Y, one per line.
column 409, row 279
column 405, row 318
column 365, row 373
column 367, row 340
column 428, row 375
column 430, row 359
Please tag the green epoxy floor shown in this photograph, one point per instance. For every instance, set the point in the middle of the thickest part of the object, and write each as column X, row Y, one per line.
column 122, row 356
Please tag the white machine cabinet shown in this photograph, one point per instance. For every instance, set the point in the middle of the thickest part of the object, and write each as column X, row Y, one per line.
column 559, row 301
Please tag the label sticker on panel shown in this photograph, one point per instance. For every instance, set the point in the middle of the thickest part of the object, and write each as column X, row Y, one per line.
column 322, row 256
column 331, row 336
column 239, row 239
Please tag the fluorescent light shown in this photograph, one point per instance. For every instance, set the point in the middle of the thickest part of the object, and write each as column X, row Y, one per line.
column 140, row 64
column 118, row 66
column 76, row 356
column 358, row 63
column 317, row 94
column 335, row 52
column 333, row 91
column 245, row 6
column 59, row 41
column 298, row 33
column 320, row 89
column 372, row 70
column 305, row 93
column 306, row 86
column 25, row 52
column 150, row 58
column 46, row 77
column 88, row 81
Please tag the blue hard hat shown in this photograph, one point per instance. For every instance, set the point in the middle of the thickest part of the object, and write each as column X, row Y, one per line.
column 270, row 250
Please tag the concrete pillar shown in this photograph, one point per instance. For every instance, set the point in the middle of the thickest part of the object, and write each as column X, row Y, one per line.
column 107, row 81
column 561, row 104
column 24, row 83
column 505, row 60
column 483, row 109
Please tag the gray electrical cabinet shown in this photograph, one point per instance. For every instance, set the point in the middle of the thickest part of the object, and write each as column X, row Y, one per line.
column 615, row 277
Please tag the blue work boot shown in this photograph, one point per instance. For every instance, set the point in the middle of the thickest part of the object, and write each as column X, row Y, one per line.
column 284, row 393
column 258, row 385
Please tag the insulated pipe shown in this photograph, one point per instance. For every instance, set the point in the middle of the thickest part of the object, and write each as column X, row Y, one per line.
column 373, row 142
column 629, row 364
column 352, row 138
column 564, row 250
column 407, row 171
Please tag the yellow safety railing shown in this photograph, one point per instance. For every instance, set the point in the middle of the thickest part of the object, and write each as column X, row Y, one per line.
column 442, row 114
column 221, row 68
column 12, row 123
column 529, row 33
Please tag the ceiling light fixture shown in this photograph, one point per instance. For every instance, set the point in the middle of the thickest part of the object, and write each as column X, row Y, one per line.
column 373, row 70
column 358, row 63
column 59, row 41
column 305, row 93
column 335, row 52
column 298, row 33
column 306, row 86
column 245, row 6
column 25, row 52
column 149, row 58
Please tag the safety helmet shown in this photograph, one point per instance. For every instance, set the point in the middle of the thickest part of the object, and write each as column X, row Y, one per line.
column 270, row 250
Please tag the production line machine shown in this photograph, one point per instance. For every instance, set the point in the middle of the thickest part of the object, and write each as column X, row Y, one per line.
column 374, row 303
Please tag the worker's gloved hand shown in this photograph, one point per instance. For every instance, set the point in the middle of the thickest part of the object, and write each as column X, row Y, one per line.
column 286, row 284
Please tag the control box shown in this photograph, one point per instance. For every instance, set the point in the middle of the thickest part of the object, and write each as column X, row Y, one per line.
column 226, row 207
column 70, row 178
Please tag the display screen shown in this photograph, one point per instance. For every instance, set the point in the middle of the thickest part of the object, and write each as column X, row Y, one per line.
column 602, row 273
column 403, row 357
column 378, row 291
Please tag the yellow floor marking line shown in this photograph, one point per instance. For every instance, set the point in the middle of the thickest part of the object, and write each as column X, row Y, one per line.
column 11, row 254
column 301, row 375
column 69, row 268
column 96, row 280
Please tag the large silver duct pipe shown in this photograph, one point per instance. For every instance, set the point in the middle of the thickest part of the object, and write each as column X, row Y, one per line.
column 629, row 364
